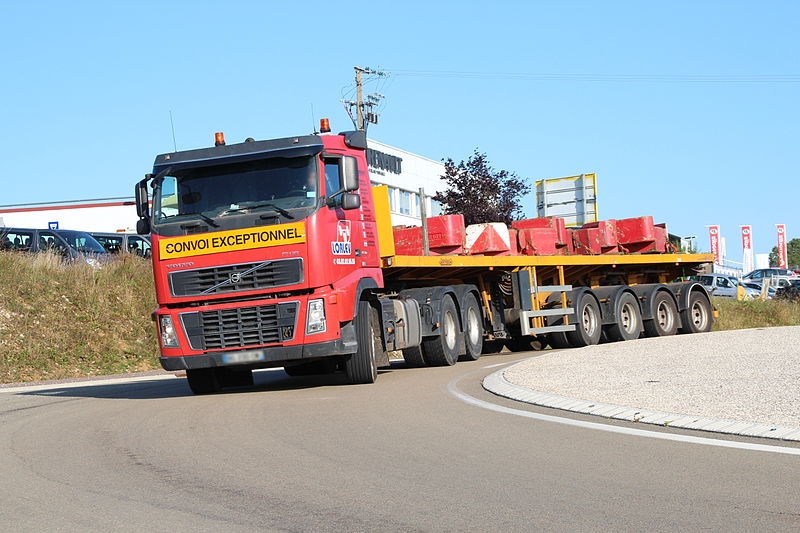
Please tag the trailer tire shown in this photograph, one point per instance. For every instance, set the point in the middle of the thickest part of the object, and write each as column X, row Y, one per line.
column 588, row 323
column 628, row 324
column 441, row 350
column 362, row 367
column 414, row 357
column 696, row 318
column 203, row 380
column 473, row 328
column 665, row 316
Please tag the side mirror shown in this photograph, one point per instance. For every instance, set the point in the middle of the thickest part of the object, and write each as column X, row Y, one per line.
column 142, row 203
column 350, row 173
column 143, row 226
column 351, row 201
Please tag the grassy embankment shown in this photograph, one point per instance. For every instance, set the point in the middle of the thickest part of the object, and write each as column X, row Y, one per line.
column 61, row 321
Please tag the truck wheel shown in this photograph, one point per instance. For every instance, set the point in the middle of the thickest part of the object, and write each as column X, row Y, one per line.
column 665, row 317
column 473, row 328
column 203, row 380
column 588, row 325
column 229, row 377
column 441, row 350
column 629, row 319
column 697, row 317
column 361, row 367
column 414, row 357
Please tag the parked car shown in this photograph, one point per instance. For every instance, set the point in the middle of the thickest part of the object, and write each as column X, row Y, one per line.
column 790, row 292
column 726, row 286
column 71, row 244
column 759, row 274
column 117, row 242
column 758, row 287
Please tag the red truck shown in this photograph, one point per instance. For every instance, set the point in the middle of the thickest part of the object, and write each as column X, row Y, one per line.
column 280, row 253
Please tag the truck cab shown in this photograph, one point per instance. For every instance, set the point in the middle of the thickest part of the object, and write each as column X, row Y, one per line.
column 260, row 250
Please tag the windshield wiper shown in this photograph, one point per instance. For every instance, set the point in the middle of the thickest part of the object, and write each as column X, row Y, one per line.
column 247, row 208
column 207, row 219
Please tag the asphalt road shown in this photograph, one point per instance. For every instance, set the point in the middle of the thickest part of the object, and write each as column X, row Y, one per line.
column 420, row 450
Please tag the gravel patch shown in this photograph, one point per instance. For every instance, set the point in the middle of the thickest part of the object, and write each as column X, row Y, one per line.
column 749, row 375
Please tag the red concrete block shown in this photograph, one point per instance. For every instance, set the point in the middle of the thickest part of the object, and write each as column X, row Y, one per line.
column 555, row 223
column 596, row 238
column 488, row 239
column 635, row 230
column 540, row 241
column 446, row 235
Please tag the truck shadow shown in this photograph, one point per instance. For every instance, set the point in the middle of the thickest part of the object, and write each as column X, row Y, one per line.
column 272, row 380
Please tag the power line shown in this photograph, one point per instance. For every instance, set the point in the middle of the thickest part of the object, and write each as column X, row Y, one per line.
column 604, row 78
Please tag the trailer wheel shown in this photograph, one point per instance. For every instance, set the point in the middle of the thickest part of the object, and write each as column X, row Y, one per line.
column 414, row 357
column 665, row 317
column 203, row 380
column 473, row 328
column 696, row 318
column 588, row 325
column 441, row 350
column 361, row 367
column 629, row 319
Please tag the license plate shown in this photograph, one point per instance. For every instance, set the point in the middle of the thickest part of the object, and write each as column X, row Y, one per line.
column 242, row 357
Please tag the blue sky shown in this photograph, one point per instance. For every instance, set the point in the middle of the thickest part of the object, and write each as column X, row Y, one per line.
column 686, row 110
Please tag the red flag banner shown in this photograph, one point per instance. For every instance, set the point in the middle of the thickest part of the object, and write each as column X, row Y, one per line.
column 783, row 260
column 716, row 249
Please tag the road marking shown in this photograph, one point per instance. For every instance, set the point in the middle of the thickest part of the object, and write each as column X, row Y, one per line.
column 705, row 441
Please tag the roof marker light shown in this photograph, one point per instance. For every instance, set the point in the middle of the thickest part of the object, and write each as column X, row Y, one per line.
column 219, row 139
column 324, row 125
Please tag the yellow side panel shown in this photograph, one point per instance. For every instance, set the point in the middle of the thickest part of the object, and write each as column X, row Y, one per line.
column 383, row 218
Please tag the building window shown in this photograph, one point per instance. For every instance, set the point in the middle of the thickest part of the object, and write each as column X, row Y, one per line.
column 405, row 202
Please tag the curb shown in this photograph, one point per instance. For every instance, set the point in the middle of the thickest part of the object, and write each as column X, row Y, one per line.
column 496, row 383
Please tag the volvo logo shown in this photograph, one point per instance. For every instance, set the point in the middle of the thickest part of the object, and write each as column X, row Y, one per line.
column 235, row 277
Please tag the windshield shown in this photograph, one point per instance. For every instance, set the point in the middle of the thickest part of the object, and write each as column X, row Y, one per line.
column 275, row 185
column 83, row 242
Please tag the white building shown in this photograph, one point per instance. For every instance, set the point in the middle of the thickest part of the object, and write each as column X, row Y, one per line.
column 405, row 174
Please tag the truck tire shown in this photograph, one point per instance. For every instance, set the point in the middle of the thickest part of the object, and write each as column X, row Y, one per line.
column 414, row 357
column 473, row 328
column 628, row 323
column 588, row 323
column 696, row 318
column 441, row 350
column 361, row 367
column 665, row 316
column 204, row 380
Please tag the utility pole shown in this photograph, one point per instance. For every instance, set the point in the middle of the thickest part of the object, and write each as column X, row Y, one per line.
column 364, row 113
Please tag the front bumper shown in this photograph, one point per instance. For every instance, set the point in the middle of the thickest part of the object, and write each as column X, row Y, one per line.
column 266, row 357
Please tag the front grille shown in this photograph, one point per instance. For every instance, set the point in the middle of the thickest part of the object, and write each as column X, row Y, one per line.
column 236, row 278
column 240, row 326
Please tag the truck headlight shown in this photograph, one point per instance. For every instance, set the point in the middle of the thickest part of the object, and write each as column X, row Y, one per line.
column 315, row 321
column 169, row 338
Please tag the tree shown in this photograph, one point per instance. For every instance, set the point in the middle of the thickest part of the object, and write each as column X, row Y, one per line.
column 792, row 254
column 480, row 193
